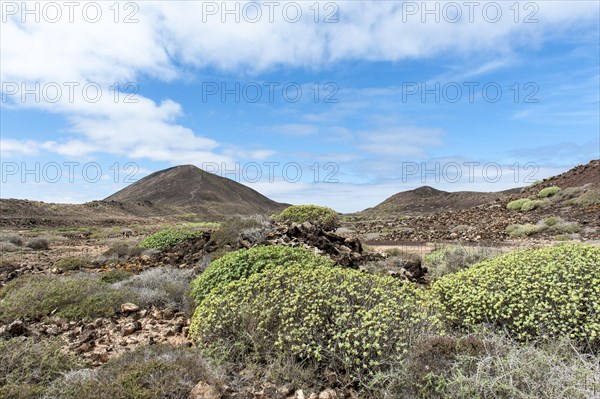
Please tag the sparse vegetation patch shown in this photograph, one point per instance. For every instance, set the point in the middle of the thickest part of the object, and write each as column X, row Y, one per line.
column 167, row 238
column 76, row 297
column 452, row 258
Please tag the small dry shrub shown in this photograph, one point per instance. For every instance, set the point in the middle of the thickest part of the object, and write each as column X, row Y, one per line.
column 122, row 251
column 12, row 239
column 149, row 372
column 451, row 259
column 28, row 366
column 75, row 297
column 70, row 263
column 161, row 287
column 39, row 243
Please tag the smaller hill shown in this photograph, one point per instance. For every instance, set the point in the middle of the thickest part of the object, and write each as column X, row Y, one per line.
column 427, row 200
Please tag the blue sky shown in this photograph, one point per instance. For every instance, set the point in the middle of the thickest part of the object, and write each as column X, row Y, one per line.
column 379, row 96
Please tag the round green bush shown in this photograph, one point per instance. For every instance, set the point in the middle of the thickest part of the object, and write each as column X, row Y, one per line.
column 338, row 319
column 70, row 263
column 166, row 238
column 245, row 262
column 321, row 216
column 533, row 293
column 548, row 191
column 531, row 205
column 516, row 205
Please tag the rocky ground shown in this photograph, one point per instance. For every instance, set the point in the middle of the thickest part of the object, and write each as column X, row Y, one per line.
column 105, row 338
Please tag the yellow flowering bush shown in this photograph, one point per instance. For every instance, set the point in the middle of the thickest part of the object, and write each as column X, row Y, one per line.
column 245, row 262
column 532, row 293
column 321, row 216
column 339, row 319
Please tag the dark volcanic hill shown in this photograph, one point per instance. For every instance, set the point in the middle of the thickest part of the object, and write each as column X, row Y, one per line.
column 190, row 187
column 426, row 200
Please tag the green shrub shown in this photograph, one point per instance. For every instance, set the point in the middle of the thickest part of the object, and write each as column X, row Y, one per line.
column 166, row 238
column 114, row 276
column 552, row 221
column 149, row 372
column 321, row 216
column 75, row 297
column 245, row 262
column 548, row 191
column 342, row 320
column 567, row 227
column 70, row 263
column 532, row 293
column 588, row 198
column 532, row 204
column 524, row 230
column 450, row 259
column 516, row 205
column 28, row 366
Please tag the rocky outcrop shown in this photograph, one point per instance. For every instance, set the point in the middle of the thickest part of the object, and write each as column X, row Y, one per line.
column 347, row 252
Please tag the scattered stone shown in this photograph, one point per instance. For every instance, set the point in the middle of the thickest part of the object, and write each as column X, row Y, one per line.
column 130, row 328
column 15, row 329
column 129, row 307
column 328, row 394
column 204, row 391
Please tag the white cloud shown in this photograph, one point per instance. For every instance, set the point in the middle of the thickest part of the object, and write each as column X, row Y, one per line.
column 400, row 141
column 296, row 129
column 171, row 37
column 10, row 148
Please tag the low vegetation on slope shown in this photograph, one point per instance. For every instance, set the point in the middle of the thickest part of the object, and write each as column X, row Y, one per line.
column 167, row 238
column 586, row 195
column 534, row 293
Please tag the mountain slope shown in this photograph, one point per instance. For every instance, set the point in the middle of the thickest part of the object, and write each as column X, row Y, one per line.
column 575, row 177
column 426, row 200
column 190, row 187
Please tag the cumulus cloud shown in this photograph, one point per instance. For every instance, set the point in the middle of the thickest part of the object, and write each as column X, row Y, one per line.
column 169, row 39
